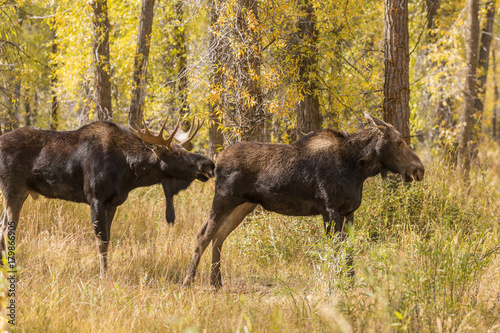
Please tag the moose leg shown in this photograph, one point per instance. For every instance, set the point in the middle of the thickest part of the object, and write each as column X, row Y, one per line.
column 3, row 223
column 218, row 214
column 340, row 222
column 203, row 238
column 98, row 214
column 349, row 220
column 332, row 216
column 229, row 224
column 110, row 214
column 10, row 218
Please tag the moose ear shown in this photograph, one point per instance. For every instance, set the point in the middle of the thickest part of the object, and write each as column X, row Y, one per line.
column 375, row 122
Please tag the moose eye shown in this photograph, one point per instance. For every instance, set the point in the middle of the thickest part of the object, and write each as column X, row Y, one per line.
column 399, row 143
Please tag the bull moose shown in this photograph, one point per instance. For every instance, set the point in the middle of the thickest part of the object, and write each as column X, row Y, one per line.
column 97, row 164
column 320, row 174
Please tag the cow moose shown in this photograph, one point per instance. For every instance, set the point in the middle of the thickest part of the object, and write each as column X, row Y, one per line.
column 320, row 174
column 97, row 164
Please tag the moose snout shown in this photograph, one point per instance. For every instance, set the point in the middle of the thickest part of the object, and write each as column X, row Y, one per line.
column 418, row 175
column 207, row 171
column 418, row 172
column 210, row 169
column 415, row 172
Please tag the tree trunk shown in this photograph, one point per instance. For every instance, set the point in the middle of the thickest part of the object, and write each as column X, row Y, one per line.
column 54, row 104
column 483, row 64
column 175, row 60
column 180, row 41
column 467, row 117
column 218, row 47
column 34, row 110
column 177, row 63
column 216, row 139
column 252, row 115
column 439, row 113
column 235, row 92
column 135, row 112
column 308, row 115
column 397, row 64
column 27, row 110
column 102, row 64
column 432, row 7
column 14, row 90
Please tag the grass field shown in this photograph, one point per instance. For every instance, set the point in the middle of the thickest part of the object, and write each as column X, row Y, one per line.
column 426, row 260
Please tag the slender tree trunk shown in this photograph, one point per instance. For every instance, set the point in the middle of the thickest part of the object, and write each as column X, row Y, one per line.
column 439, row 113
column 54, row 103
column 34, row 110
column 27, row 110
column 308, row 115
column 102, row 64
column 178, row 63
column 467, row 117
column 250, row 102
column 432, row 7
column 397, row 66
column 483, row 64
column 14, row 91
column 135, row 112
column 235, row 51
column 423, row 65
column 442, row 112
column 217, row 48
column 175, row 60
column 180, row 40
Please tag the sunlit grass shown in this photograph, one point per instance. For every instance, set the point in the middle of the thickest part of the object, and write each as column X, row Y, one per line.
column 425, row 256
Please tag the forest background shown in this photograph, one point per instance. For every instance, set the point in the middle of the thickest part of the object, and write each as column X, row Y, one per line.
column 268, row 71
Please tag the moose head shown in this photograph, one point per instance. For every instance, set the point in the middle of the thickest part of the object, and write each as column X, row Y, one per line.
column 394, row 153
column 178, row 165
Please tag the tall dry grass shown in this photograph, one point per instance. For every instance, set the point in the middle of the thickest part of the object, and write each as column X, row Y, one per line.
column 426, row 258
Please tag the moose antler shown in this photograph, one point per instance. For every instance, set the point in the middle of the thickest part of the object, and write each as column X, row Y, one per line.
column 148, row 137
column 185, row 138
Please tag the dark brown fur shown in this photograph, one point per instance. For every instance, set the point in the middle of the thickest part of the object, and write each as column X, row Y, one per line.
column 320, row 174
column 98, row 164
